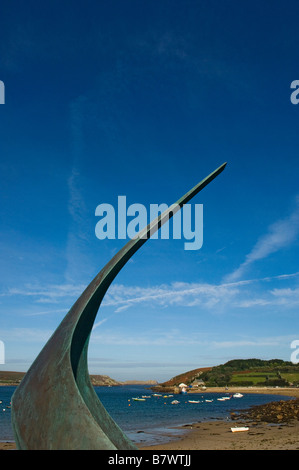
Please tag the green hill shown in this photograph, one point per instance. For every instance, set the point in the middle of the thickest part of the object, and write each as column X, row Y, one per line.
column 253, row 372
column 186, row 377
column 242, row 372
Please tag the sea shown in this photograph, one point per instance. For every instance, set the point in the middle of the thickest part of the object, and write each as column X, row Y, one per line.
column 155, row 419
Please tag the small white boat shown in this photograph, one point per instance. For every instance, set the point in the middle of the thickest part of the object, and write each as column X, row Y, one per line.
column 209, row 401
column 175, row 402
column 221, row 399
column 193, row 401
column 138, row 399
column 237, row 395
column 240, row 428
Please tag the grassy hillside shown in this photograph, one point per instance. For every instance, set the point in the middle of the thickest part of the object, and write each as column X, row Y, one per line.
column 10, row 378
column 253, row 372
column 186, row 377
column 242, row 372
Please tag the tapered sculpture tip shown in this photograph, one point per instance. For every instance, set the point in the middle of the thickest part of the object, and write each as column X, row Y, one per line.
column 56, row 407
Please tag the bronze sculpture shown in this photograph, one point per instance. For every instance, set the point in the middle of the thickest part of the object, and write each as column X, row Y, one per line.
column 55, row 406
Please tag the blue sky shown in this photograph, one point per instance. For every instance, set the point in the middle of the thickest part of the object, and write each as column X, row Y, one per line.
column 144, row 99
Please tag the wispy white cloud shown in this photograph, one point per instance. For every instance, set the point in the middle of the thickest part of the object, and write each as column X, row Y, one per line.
column 259, row 302
column 154, row 337
column 275, row 297
column 211, row 297
column 174, row 294
column 76, row 260
column 26, row 335
column 280, row 235
column 78, row 263
column 208, row 296
column 254, row 342
column 76, row 204
column 286, row 296
column 52, row 293
column 99, row 323
column 288, row 292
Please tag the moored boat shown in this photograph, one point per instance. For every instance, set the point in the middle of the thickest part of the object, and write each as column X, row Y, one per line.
column 239, row 428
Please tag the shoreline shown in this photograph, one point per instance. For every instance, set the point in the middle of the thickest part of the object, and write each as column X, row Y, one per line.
column 216, row 434
column 265, row 432
column 287, row 391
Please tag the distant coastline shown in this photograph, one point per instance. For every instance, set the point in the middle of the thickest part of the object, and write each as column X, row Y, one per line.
column 10, row 378
column 253, row 375
column 13, row 379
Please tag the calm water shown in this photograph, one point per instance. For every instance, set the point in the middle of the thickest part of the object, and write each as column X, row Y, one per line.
column 152, row 420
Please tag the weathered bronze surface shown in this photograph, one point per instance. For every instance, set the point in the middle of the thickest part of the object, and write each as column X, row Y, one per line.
column 55, row 406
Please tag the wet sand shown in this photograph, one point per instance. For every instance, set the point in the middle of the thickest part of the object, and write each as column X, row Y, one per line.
column 7, row 445
column 217, row 434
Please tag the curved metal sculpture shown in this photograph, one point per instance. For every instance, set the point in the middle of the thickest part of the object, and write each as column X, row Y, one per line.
column 55, row 406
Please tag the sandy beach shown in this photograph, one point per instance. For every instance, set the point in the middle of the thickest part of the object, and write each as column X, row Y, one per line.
column 262, row 435
column 217, row 434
